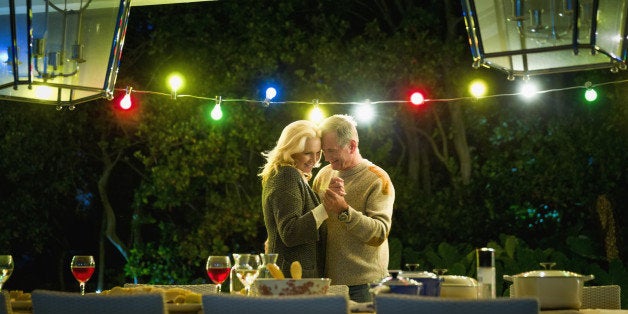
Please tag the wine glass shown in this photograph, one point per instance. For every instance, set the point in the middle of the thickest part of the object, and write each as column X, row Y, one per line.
column 248, row 272
column 6, row 268
column 218, row 268
column 82, row 267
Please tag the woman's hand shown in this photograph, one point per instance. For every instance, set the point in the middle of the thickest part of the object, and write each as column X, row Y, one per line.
column 337, row 185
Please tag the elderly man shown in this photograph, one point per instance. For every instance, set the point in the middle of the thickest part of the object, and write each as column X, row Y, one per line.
column 359, row 219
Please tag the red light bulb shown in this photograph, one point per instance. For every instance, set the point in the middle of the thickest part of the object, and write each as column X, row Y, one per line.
column 125, row 103
column 417, row 98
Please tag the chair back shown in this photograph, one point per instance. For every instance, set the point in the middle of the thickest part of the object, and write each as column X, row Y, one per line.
column 398, row 304
column 5, row 303
column 55, row 302
column 597, row 297
column 200, row 288
column 307, row 304
column 601, row 297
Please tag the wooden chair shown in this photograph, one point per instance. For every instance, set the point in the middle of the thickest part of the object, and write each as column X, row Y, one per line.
column 5, row 303
column 601, row 297
column 239, row 304
column 402, row 304
column 55, row 302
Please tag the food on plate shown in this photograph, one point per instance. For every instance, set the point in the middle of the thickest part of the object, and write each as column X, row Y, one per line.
column 275, row 271
column 171, row 295
column 19, row 295
column 192, row 298
column 295, row 270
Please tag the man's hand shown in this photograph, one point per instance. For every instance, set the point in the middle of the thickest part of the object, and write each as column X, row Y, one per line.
column 337, row 185
column 334, row 203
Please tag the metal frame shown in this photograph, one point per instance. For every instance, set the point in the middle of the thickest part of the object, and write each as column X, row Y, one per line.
column 112, row 65
column 479, row 56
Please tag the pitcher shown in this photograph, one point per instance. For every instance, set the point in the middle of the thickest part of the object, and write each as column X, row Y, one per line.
column 270, row 258
column 239, row 261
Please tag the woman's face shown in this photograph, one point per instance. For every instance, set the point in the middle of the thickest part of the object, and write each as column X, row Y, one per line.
column 310, row 156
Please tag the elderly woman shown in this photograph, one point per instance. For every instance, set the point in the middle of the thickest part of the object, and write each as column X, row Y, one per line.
column 293, row 215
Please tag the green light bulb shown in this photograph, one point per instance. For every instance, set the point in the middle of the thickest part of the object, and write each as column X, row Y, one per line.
column 590, row 95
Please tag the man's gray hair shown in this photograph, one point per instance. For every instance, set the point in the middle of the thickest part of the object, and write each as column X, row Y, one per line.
column 344, row 126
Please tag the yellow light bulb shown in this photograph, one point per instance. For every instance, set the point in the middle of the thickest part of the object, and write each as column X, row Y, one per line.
column 175, row 81
column 316, row 115
column 477, row 88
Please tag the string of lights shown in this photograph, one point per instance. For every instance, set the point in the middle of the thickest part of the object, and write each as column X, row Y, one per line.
column 477, row 90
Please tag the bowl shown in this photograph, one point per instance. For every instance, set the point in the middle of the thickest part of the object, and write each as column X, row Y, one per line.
column 431, row 282
column 555, row 289
column 396, row 284
column 305, row 286
column 459, row 287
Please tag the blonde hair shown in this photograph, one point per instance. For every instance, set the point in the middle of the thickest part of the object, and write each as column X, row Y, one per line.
column 291, row 141
column 344, row 126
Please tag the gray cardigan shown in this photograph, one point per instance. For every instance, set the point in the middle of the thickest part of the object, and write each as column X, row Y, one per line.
column 287, row 202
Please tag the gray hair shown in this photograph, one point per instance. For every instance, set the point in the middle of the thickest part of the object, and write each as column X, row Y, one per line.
column 344, row 126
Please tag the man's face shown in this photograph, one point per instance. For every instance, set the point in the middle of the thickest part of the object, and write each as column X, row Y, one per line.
column 338, row 156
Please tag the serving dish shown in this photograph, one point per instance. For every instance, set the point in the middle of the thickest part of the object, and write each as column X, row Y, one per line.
column 458, row 287
column 555, row 289
column 304, row 286
column 397, row 284
column 431, row 282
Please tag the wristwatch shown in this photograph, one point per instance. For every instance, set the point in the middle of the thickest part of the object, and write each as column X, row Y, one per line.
column 343, row 216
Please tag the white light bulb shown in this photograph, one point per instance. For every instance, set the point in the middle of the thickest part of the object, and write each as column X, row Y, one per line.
column 529, row 90
column 365, row 112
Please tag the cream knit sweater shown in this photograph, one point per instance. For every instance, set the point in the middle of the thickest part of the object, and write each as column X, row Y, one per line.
column 357, row 250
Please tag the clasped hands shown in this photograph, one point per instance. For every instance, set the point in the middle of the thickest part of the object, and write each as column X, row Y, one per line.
column 334, row 197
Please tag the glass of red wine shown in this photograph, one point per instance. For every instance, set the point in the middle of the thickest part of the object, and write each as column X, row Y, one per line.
column 82, row 267
column 218, row 268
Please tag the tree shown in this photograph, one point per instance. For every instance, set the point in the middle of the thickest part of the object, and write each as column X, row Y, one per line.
column 165, row 186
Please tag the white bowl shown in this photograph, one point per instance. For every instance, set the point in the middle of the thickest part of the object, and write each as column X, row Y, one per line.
column 555, row 289
column 458, row 287
column 270, row 286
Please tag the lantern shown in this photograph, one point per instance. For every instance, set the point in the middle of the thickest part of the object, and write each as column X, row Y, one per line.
column 531, row 37
column 62, row 52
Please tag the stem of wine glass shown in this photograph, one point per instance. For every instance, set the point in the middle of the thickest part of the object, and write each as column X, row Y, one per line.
column 82, row 285
column 218, row 288
column 247, row 290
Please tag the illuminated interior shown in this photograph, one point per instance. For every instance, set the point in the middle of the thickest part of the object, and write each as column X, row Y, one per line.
column 526, row 37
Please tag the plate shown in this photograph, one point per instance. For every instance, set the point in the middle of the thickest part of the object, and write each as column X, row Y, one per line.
column 184, row 307
column 21, row 305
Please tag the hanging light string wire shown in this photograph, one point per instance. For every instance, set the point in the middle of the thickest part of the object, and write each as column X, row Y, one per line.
column 380, row 101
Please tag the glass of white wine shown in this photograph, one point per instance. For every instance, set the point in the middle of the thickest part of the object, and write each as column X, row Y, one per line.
column 247, row 273
column 6, row 268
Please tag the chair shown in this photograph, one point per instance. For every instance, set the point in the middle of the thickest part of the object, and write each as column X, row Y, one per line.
column 310, row 304
column 399, row 303
column 200, row 288
column 55, row 302
column 5, row 303
column 339, row 290
column 601, row 297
